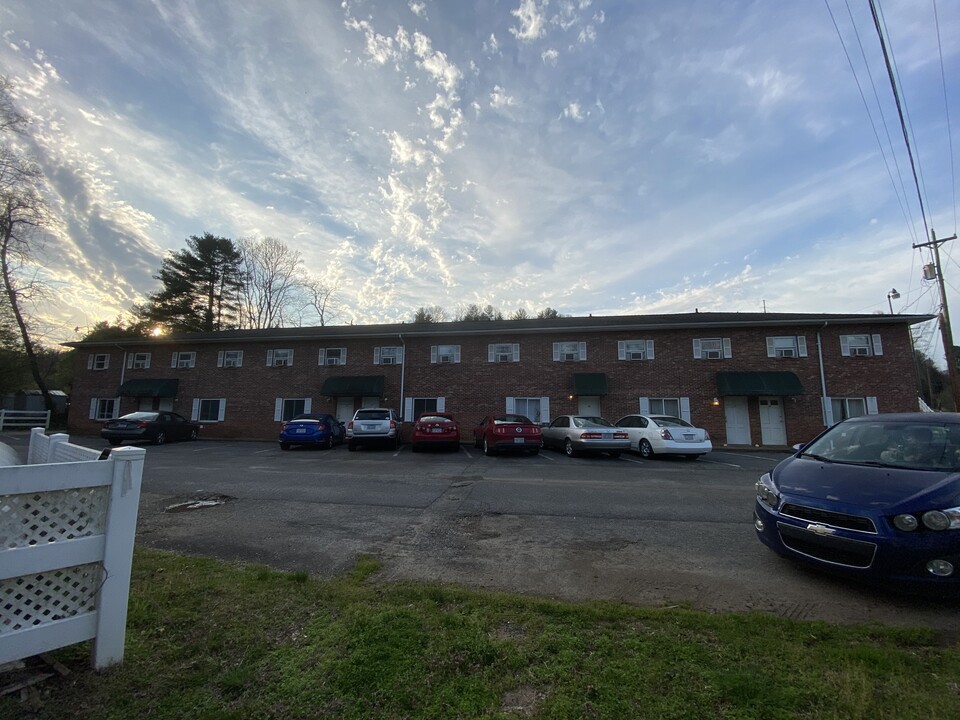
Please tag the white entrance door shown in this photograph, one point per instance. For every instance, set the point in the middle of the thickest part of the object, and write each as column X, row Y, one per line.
column 344, row 409
column 772, row 429
column 589, row 405
column 738, row 420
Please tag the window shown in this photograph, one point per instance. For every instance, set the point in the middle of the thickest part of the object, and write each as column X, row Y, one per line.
column 387, row 355
column 635, row 350
column 138, row 361
column 569, row 351
column 674, row 407
column 836, row 409
column 104, row 408
column 711, row 348
column 280, row 358
column 863, row 345
column 535, row 408
column 183, row 360
column 788, row 346
column 415, row 407
column 230, row 358
column 444, row 353
column 332, row 356
column 287, row 408
column 209, row 409
column 98, row 362
column 503, row 352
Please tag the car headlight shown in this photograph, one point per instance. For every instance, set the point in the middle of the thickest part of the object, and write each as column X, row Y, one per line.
column 767, row 493
column 906, row 523
column 948, row 519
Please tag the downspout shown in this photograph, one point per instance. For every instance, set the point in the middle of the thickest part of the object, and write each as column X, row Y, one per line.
column 823, row 378
column 403, row 370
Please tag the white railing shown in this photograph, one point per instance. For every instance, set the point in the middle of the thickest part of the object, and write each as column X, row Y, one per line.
column 24, row 419
column 923, row 406
column 67, row 524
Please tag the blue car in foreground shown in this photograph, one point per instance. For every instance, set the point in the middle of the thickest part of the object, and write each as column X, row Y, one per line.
column 874, row 498
column 318, row 429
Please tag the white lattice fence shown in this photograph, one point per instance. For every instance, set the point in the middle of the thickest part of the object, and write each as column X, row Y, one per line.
column 67, row 526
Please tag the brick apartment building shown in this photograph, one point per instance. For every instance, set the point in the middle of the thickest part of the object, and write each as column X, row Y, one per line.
column 769, row 379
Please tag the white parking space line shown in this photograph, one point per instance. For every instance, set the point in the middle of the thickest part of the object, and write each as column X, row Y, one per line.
column 638, row 462
column 718, row 462
column 466, row 452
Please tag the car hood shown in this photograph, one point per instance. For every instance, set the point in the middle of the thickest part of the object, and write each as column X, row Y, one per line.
column 865, row 486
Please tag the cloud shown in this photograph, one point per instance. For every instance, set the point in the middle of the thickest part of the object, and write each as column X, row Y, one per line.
column 532, row 20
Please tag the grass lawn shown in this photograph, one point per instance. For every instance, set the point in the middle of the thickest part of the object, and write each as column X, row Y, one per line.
column 208, row 640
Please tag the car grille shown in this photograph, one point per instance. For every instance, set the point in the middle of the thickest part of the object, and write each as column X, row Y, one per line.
column 826, row 517
column 835, row 550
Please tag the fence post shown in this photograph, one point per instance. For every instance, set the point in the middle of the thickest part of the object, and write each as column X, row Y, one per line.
column 120, row 530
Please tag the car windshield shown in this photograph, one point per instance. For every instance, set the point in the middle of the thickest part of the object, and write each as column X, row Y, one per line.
column 512, row 419
column 140, row 416
column 663, row 421
column 906, row 444
column 586, row 422
column 373, row 415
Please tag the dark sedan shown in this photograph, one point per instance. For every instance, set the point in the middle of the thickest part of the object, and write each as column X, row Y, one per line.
column 507, row 433
column 317, row 429
column 876, row 498
column 154, row 427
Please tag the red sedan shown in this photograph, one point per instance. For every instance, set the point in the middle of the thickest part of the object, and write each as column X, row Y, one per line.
column 501, row 433
column 436, row 429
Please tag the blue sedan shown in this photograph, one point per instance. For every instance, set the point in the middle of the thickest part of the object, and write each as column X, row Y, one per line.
column 875, row 498
column 318, row 429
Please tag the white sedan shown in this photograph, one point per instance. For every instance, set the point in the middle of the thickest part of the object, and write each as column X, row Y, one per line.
column 665, row 435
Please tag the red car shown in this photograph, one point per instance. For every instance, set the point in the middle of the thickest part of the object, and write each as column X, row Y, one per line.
column 436, row 429
column 501, row 433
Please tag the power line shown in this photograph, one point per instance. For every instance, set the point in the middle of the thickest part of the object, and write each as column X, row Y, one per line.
column 946, row 107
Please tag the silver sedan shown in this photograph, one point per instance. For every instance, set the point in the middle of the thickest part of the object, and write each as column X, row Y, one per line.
column 585, row 433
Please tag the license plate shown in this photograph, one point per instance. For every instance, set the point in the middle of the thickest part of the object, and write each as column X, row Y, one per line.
column 301, row 431
column 369, row 427
column 607, row 436
column 518, row 440
column 436, row 429
column 689, row 437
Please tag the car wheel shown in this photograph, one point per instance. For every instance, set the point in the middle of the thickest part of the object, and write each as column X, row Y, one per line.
column 329, row 443
column 487, row 450
column 691, row 457
column 614, row 453
column 568, row 448
column 284, row 446
column 351, row 446
column 194, row 434
column 645, row 448
column 395, row 444
column 476, row 442
column 160, row 439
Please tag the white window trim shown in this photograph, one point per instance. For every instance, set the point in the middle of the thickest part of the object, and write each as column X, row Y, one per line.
column 222, row 358
column 378, row 357
column 278, row 407
column 437, row 357
column 558, row 352
column 221, row 410
column 95, row 406
column 324, row 360
column 92, row 361
column 683, row 402
column 132, row 360
column 493, row 356
column 647, row 351
column 726, row 353
column 272, row 359
column 799, row 344
column 874, row 348
column 178, row 356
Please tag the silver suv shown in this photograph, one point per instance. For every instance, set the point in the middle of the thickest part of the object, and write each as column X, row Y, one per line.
column 373, row 425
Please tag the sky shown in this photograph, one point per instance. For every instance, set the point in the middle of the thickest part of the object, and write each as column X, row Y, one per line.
column 593, row 156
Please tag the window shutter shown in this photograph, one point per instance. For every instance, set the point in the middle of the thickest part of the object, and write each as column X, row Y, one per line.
column 516, row 352
column 129, row 360
column 408, row 410
column 556, row 352
column 147, row 363
column 872, row 408
column 307, row 405
column 511, row 406
column 490, row 353
column 582, row 347
column 291, row 357
column 116, row 408
column 400, row 356
column 195, row 412
column 269, row 358
column 278, row 410
column 771, row 350
column 456, row 353
column 844, row 347
column 93, row 407
column 649, row 349
column 801, row 346
column 696, row 350
column 433, row 353
column 727, row 352
column 644, row 406
column 545, row 409
column 685, row 409
column 90, row 362
column 827, row 411
column 240, row 359
column 173, row 360
column 222, row 412
column 877, row 345
column 320, row 356
column 376, row 356
column 621, row 350
column 343, row 356
column 441, row 404
column 220, row 358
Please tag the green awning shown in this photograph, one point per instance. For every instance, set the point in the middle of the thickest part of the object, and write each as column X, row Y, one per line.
column 771, row 383
column 149, row 388
column 353, row 386
column 589, row 383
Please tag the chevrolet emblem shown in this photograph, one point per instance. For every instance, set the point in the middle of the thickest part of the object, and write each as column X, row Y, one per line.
column 818, row 529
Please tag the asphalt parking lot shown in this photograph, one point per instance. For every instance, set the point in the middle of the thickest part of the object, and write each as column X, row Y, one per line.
column 648, row 532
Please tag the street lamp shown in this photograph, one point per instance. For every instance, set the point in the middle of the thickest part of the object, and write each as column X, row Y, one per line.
column 891, row 296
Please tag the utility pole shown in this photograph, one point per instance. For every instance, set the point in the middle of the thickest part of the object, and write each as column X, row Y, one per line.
column 946, row 332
